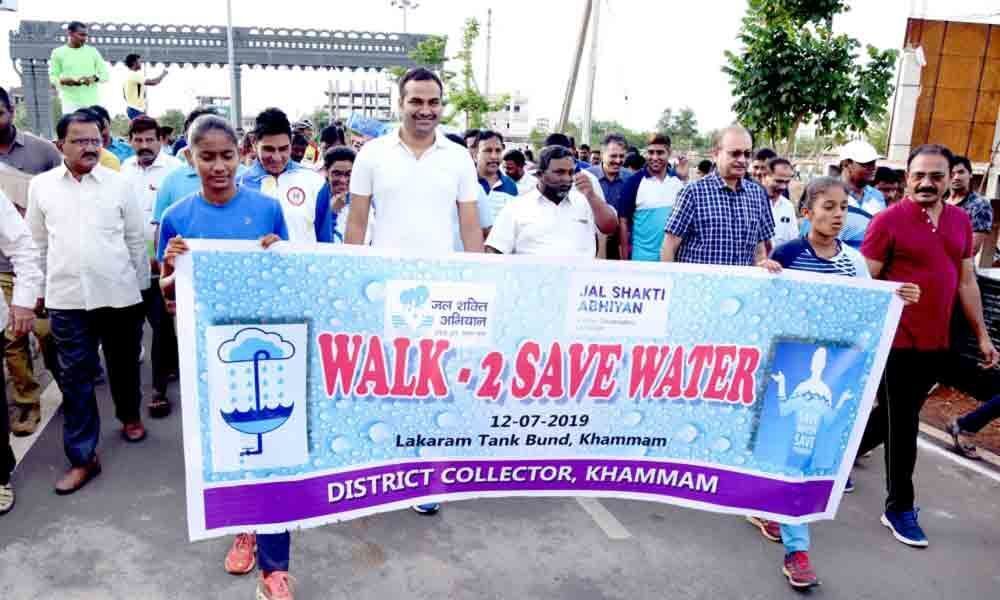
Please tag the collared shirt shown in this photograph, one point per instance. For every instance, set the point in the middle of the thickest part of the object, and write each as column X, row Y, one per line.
column 718, row 225
column 526, row 183
column 500, row 193
column 416, row 198
column 32, row 154
column 980, row 212
column 28, row 155
column 146, row 183
column 179, row 183
column 90, row 236
column 612, row 189
column 786, row 226
column 533, row 224
column 298, row 190
column 16, row 243
column 871, row 200
column 914, row 250
column 654, row 203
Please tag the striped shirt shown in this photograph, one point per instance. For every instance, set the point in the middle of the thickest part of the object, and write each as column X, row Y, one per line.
column 798, row 255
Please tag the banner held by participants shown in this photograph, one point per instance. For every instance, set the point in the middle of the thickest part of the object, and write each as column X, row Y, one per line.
column 325, row 383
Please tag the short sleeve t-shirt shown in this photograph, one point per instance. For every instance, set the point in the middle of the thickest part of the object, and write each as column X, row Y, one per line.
column 911, row 249
column 135, row 90
column 416, row 199
column 248, row 215
column 799, row 255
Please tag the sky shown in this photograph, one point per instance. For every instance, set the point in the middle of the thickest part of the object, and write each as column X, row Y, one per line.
column 652, row 54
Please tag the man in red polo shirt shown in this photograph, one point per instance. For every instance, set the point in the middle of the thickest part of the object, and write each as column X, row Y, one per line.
column 929, row 242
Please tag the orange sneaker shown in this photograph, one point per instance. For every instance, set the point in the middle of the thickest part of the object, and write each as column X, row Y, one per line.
column 242, row 556
column 276, row 585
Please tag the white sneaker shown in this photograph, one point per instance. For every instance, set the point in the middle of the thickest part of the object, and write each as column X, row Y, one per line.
column 6, row 498
column 142, row 354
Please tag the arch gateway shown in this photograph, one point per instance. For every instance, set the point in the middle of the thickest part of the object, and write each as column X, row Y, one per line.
column 203, row 45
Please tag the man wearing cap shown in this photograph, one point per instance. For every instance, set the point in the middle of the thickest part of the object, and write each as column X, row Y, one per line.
column 857, row 168
column 305, row 127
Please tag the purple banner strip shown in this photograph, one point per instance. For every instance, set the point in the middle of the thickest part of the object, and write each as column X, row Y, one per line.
column 365, row 488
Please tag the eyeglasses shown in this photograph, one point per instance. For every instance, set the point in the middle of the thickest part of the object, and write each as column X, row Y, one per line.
column 86, row 142
column 739, row 153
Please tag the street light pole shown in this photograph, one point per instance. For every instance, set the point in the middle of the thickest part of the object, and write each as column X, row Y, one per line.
column 405, row 6
column 235, row 112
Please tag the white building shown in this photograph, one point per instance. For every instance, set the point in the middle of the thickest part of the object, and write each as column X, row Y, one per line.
column 513, row 121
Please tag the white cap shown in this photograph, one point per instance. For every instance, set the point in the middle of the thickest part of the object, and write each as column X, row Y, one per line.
column 859, row 151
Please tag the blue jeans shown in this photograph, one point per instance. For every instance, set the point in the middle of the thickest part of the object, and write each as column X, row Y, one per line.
column 981, row 417
column 132, row 112
column 273, row 550
column 795, row 538
column 77, row 334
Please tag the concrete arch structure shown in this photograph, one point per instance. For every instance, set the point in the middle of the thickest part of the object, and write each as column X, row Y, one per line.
column 203, row 45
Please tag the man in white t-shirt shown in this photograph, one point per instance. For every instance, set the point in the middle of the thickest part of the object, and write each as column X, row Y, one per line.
column 422, row 181
column 554, row 219
column 777, row 175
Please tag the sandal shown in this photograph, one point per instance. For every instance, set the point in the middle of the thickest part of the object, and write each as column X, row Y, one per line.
column 961, row 447
column 159, row 406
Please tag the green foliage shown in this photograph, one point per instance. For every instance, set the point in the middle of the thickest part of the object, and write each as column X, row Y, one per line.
column 119, row 126
column 682, row 127
column 464, row 97
column 22, row 120
column 793, row 70
column 598, row 129
column 878, row 134
column 172, row 118
column 429, row 53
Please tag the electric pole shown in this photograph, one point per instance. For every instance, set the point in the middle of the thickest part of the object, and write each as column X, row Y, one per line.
column 588, row 106
column 571, row 85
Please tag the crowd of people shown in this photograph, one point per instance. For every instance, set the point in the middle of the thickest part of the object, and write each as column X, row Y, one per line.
column 88, row 253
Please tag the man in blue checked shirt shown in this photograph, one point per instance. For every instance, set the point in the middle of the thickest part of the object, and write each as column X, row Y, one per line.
column 721, row 219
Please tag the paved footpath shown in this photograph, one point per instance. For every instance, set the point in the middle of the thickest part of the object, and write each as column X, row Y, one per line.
column 124, row 537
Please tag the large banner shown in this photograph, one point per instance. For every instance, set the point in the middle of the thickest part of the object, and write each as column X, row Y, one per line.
column 323, row 383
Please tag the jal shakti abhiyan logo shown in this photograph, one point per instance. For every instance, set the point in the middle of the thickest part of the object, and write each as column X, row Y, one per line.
column 412, row 313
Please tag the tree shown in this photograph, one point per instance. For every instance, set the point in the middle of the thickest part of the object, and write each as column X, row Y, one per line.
column 464, row 97
column 793, row 70
column 682, row 127
column 666, row 122
column 429, row 53
column 22, row 119
column 878, row 133
column 172, row 118
column 119, row 126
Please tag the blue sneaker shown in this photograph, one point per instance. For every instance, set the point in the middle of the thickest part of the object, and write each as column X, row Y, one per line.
column 905, row 528
column 849, row 486
column 427, row 509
